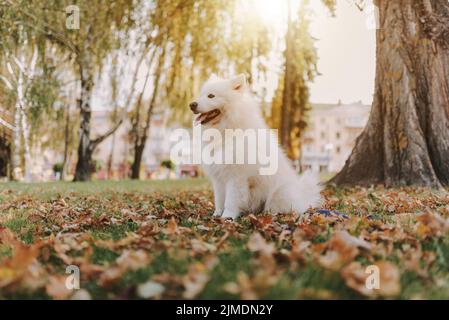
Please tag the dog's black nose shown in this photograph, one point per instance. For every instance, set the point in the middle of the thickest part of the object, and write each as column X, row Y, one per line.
column 193, row 106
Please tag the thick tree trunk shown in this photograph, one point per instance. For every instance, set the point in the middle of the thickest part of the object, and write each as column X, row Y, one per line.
column 406, row 140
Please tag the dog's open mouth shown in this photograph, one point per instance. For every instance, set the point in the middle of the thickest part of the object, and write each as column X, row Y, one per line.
column 207, row 117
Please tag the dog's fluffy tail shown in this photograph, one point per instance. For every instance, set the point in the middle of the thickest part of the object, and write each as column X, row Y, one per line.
column 309, row 191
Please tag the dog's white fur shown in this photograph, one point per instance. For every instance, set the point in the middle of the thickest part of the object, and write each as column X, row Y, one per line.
column 240, row 188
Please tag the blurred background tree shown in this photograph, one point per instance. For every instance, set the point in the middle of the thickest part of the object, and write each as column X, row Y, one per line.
column 152, row 57
column 291, row 101
column 177, row 44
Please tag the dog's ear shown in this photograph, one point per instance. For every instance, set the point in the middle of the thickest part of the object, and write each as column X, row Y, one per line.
column 238, row 83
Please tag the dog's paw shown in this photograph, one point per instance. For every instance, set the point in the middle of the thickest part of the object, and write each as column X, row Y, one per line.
column 227, row 214
column 218, row 213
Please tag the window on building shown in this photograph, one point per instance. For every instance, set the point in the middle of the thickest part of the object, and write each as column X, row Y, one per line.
column 338, row 149
column 338, row 135
column 323, row 135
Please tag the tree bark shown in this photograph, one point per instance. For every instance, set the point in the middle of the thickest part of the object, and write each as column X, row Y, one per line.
column 287, row 92
column 5, row 155
column 66, row 144
column 84, row 165
column 86, row 147
column 406, row 140
column 140, row 138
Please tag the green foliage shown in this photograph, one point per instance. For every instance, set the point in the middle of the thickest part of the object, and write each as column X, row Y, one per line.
column 168, row 164
column 181, row 41
column 302, row 59
column 57, row 167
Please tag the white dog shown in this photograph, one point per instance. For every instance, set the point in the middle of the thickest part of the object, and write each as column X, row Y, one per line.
column 240, row 188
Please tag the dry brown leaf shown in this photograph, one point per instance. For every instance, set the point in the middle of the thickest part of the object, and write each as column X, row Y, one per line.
column 56, row 287
column 247, row 291
column 172, row 227
column 128, row 261
column 431, row 224
column 16, row 268
column 341, row 249
column 7, row 236
column 150, row 289
column 355, row 276
column 257, row 243
column 197, row 277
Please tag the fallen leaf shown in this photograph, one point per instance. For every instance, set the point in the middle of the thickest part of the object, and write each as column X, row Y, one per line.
column 197, row 277
column 341, row 249
column 431, row 224
column 172, row 226
column 257, row 243
column 56, row 287
column 356, row 277
column 150, row 289
column 81, row 294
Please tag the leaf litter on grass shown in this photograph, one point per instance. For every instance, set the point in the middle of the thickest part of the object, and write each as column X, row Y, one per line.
column 167, row 245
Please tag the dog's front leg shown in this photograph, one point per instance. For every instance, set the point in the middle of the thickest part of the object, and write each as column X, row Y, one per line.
column 237, row 197
column 219, row 198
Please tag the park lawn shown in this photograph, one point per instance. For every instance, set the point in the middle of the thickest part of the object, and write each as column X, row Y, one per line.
column 157, row 239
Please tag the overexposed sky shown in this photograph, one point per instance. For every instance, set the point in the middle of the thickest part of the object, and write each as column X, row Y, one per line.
column 347, row 51
column 345, row 44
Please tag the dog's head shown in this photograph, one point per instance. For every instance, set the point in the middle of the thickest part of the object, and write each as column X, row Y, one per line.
column 216, row 98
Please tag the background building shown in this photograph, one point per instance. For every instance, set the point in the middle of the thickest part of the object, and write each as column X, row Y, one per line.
column 331, row 135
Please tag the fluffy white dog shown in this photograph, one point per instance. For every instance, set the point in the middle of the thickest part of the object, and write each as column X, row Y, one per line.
column 240, row 188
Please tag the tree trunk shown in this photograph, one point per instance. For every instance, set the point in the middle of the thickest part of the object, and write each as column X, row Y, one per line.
column 111, row 159
column 66, row 144
column 287, row 92
column 83, row 170
column 406, row 140
column 5, row 155
column 140, row 138
column 135, row 167
column 86, row 147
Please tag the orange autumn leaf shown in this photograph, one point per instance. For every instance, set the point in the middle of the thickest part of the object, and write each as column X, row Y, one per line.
column 357, row 276
column 341, row 249
column 431, row 224
column 172, row 226
column 14, row 269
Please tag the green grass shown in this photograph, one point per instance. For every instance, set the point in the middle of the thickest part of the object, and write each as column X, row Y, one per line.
column 95, row 223
column 48, row 190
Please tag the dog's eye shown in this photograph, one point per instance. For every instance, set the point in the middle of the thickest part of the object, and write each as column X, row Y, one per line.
column 211, row 96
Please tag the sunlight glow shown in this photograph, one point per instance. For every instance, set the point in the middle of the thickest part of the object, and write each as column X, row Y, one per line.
column 273, row 13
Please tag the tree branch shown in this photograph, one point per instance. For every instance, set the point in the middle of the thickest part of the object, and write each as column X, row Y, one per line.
column 95, row 142
column 48, row 31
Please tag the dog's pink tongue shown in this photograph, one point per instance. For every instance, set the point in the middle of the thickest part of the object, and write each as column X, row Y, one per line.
column 199, row 119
